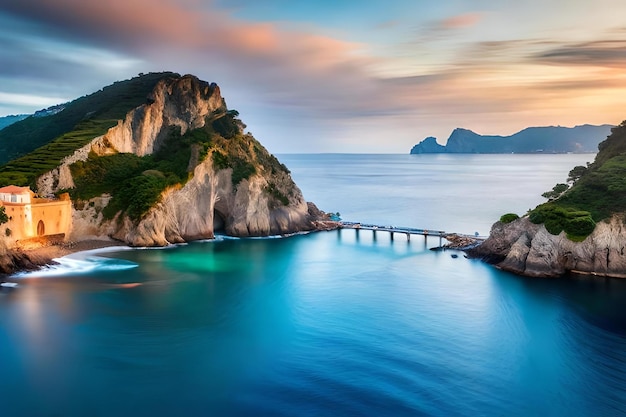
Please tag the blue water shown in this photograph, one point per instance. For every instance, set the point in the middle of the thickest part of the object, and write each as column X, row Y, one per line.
column 325, row 324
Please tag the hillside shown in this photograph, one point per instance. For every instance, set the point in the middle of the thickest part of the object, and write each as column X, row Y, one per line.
column 552, row 139
column 580, row 229
column 80, row 121
column 595, row 192
column 157, row 159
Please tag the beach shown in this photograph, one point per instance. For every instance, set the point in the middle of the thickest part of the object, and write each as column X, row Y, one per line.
column 33, row 257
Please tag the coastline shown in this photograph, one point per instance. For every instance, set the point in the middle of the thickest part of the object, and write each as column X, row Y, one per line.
column 34, row 258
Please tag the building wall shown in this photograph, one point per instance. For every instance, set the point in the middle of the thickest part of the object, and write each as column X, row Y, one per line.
column 24, row 219
column 56, row 217
column 19, row 223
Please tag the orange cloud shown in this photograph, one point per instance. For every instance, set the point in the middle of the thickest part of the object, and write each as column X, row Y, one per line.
column 461, row 21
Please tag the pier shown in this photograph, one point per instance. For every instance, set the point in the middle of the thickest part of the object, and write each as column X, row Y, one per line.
column 408, row 231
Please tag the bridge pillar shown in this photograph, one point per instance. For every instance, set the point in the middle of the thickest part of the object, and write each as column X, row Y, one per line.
column 408, row 237
column 391, row 233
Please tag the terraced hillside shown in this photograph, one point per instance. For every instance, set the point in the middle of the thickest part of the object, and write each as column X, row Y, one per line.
column 36, row 145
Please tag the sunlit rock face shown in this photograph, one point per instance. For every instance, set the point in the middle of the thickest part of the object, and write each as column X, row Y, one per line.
column 208, row 200
column 529, row 249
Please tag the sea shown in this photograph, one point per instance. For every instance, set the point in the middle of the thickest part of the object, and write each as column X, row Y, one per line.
column 333, row 323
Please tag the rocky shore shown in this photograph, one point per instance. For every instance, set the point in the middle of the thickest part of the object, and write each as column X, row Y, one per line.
column 529, row 249
column 33, row 258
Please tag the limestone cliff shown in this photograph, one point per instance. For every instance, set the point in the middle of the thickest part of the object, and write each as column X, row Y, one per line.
column 265, row 202
column 529, row 249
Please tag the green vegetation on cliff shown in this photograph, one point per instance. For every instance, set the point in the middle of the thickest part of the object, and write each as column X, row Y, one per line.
column 508, row 217
column 597, row 191
column 37, row 144
column 136, row 183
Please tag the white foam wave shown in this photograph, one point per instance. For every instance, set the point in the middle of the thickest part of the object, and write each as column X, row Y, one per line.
column 78, row 264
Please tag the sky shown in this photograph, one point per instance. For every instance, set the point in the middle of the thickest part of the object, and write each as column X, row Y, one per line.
column 334, row 76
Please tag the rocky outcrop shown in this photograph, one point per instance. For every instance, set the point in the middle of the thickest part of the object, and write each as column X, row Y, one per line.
column 206, row 202
column 15, row 259
column 428, row 145
column 529, row 249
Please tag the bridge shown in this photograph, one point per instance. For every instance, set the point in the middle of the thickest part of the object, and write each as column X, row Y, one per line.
column 408, row 231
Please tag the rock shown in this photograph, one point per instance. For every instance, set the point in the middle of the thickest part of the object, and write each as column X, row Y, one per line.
column 428, row 145
column 529, row 249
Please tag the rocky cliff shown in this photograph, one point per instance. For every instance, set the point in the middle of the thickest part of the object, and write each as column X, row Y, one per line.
column 581, row 228
column 265, row 202
column 529, row 249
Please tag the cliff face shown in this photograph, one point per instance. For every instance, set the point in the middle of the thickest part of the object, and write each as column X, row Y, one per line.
column 207, row 201
column 529, row 249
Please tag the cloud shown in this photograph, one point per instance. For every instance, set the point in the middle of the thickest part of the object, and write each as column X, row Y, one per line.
column 608, row 53
column 297, row 85
column 291, row 67
column 27, row 99
column 461, row 21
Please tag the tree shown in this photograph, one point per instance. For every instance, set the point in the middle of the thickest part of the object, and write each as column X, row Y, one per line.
column 576, row 173
column 3, row 215
column 556, row 191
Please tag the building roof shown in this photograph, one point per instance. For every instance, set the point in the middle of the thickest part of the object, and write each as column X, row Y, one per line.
column 13, row 189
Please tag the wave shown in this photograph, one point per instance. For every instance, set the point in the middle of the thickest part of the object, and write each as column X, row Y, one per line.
column 81, row 263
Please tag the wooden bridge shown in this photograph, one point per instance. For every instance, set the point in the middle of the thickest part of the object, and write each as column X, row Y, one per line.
column 408, row 231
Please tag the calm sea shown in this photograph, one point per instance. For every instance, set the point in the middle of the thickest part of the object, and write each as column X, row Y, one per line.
column 325, row 324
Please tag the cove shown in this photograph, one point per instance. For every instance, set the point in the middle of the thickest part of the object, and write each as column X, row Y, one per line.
column 328, row 323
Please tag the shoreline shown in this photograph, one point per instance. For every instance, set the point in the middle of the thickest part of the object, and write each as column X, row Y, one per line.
column 33, row 259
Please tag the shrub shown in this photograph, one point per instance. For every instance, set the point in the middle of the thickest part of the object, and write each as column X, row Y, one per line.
column 579, row 228
column 220, row 161
column 226, row 126
column 509, row 217
column 242, row 170
column 277, row 194
column 577, row 224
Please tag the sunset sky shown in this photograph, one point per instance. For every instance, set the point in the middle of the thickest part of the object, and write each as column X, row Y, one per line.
column 334, row 76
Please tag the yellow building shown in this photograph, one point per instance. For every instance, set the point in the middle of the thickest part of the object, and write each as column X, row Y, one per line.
column 34, row 217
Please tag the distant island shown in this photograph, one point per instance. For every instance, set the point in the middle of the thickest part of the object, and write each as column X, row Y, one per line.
column 550, row 139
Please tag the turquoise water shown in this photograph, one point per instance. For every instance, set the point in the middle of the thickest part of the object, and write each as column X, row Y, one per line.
column 325, row 324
